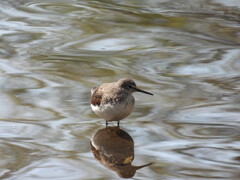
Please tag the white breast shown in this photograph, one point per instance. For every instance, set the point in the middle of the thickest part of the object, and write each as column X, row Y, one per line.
column 114, row 112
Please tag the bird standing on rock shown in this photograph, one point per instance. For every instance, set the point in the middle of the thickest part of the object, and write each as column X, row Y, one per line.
column 114, row 101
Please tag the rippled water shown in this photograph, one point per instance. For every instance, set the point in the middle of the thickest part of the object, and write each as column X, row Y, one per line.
column 185, row 52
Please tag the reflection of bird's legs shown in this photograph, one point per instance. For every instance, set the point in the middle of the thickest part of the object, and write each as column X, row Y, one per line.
column 106, row 124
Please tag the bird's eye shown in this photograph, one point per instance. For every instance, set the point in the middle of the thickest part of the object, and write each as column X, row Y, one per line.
column 130, row 86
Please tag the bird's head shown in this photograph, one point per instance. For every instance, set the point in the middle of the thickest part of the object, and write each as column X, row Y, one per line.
column 130, row 86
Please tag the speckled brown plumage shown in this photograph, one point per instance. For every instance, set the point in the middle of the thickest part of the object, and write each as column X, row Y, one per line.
column 96, row 99
column 114, row 101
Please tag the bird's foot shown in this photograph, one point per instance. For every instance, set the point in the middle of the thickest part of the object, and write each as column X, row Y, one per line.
column 106, row 124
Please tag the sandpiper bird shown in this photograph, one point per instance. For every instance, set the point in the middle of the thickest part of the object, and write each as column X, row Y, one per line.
column 114, row 101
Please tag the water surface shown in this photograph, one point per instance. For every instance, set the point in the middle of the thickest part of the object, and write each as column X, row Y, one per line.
column 186, row 53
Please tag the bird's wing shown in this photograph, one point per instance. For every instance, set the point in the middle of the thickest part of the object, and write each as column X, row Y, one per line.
column 96, row 97
column 92, row 90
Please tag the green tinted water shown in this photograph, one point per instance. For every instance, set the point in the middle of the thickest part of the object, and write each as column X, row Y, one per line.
column 185, row 52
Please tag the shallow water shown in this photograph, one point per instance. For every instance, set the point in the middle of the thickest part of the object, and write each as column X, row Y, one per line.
column 185, row 52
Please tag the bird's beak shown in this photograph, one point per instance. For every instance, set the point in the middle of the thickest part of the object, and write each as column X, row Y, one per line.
column 139, row 90
column 139, row 167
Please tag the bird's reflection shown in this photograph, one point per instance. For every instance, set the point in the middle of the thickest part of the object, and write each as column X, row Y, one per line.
column 114, row 148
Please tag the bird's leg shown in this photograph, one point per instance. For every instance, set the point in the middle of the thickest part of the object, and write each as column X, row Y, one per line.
column 118, row 123
column 106, row 124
